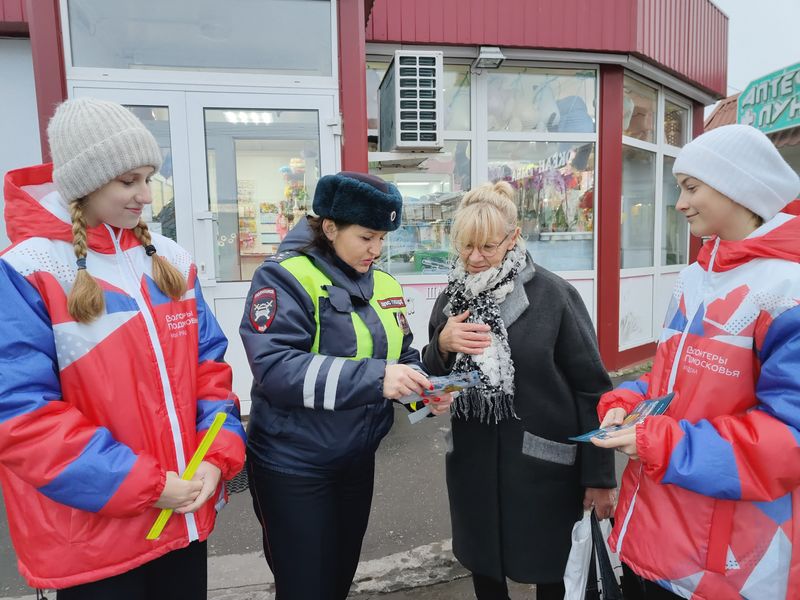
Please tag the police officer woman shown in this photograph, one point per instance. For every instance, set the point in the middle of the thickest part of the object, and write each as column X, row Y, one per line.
column 329, row 346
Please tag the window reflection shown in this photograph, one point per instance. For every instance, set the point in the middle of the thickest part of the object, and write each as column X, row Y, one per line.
column 638, row 207
column 160, row 215
column 248, row 36
column 554, row 184
column 531, row 99
column 430, row 196
column 674, row 229
column 676, row 124
column 263, row 166
column 639, row 102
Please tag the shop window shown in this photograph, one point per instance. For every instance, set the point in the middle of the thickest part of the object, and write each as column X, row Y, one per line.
column 638, row 207
column 639, row 112
column 283, row 37
column 456, row 82
column 263, row 166
column 674, row 231
column 676, row 124
column 555, row 184
column 160, row 214
column 431, row 195
column 543, row 100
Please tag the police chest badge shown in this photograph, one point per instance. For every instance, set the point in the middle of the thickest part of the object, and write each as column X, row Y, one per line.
column 263, row 309
column 402, row 322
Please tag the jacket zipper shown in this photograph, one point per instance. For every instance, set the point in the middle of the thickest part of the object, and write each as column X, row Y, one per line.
column 672, row 376
column 169, row 399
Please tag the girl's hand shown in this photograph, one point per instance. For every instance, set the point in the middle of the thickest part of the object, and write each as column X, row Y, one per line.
column 439, row 404
column 623, row 441
column 208, row 476
column 178, row 493
column 402, row 380
column 468, row 338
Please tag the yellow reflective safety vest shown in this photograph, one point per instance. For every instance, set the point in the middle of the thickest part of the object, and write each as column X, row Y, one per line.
column 387, row 302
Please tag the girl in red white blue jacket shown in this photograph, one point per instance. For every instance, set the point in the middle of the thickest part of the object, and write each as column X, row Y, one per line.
column 710, row 504
column 111, row 371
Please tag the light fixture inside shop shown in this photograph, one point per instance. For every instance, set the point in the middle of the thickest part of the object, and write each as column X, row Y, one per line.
column 489, row 57
column 252, row 117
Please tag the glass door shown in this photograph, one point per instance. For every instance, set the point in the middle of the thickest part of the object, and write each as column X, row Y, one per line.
column 255, row 161
column 239, row 171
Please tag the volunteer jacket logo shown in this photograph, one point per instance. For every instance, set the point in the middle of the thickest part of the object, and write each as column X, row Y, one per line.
column 263, row 309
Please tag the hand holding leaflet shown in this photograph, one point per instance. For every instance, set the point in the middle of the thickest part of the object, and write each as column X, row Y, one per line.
column 644, row 409
column 455, row 382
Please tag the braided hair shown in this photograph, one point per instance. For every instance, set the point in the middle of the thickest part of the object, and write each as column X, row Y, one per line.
column 85, row 301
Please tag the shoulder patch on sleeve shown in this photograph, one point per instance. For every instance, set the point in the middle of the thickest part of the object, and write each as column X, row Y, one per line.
column 263, row 309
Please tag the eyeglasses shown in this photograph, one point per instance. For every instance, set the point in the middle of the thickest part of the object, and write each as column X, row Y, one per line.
column 487, row 251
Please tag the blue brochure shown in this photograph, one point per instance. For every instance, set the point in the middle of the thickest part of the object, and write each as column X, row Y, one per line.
column 645, row 408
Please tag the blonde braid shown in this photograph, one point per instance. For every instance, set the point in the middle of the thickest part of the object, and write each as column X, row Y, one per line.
column 85, row 301
column 166, row 276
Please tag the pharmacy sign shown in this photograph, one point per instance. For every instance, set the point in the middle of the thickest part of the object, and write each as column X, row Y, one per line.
column 772, row 103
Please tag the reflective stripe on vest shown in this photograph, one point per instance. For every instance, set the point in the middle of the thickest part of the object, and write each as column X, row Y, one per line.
column 384, row 286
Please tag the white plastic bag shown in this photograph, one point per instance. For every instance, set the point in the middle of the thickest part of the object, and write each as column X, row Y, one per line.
column 576, row 575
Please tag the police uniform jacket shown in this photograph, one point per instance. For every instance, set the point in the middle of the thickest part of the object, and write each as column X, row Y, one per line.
column 318, row 336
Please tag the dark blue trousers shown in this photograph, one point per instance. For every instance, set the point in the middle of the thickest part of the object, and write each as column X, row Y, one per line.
column 313, row 527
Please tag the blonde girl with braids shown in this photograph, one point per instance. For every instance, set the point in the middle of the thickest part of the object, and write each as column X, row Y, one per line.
column 111, row 370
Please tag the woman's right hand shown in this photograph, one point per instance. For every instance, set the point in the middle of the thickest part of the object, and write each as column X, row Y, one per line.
column 178, row 492
column 402, row 380
column 615, row 416
column 467, row 338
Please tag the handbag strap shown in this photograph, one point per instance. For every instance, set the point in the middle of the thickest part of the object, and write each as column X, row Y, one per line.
column 611, row 589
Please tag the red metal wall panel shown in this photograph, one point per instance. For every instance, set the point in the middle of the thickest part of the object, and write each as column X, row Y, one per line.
column 353, row 85
column 686, row 37
column 48, row 62
column 609, row 208
column 13, row 11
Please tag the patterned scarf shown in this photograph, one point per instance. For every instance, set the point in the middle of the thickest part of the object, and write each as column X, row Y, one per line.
column 482, row 293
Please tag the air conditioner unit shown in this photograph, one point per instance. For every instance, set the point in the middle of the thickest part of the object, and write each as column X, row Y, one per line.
column 410, row 98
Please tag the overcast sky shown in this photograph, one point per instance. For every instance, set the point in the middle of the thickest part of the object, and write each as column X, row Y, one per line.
column 762, row 37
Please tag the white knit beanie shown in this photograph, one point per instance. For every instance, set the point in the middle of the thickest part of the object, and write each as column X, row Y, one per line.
column 740, row 162
column 94, row 141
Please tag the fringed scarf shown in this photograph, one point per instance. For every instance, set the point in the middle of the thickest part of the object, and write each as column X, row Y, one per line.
column 493, row 399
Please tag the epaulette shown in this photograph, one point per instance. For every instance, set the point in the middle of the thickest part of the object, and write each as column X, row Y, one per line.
column 281, row 256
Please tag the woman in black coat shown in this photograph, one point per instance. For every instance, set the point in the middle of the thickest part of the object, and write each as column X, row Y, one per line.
column 516, row 483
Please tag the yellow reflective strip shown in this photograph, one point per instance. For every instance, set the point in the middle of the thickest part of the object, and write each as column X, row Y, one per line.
column 312, row 280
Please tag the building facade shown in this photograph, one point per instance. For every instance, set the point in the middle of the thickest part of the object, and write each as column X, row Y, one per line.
column 252, row 102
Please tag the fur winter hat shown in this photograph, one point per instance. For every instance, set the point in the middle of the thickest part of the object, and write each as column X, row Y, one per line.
column 740, row 162
column 359, row 199
column 94, row 141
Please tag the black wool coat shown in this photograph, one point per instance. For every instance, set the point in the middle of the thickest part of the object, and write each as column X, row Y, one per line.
column 516, row 487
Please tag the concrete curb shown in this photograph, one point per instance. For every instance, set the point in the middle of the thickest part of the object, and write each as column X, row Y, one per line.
column 247, row 577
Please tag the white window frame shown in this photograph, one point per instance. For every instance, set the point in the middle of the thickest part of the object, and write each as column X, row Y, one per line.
column 660, row 149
